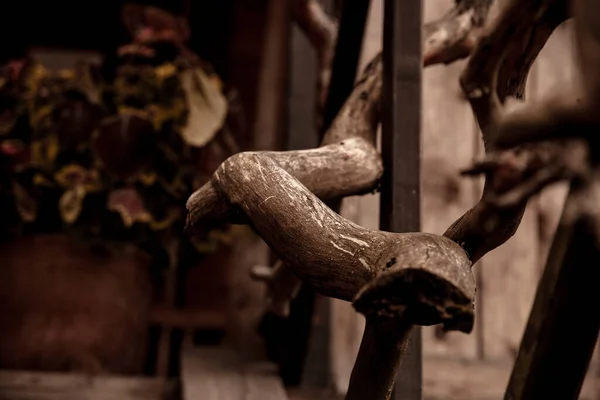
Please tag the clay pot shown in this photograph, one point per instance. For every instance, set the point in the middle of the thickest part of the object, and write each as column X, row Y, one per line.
column 66, row 308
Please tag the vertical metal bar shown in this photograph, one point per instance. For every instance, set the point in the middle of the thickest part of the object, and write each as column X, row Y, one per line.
column 347, row 56
column 561, row 333
column 401, row 150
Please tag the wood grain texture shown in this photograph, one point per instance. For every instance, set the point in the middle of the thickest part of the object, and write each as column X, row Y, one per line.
column 221, row 374
column 25, row 385
column 452, row 379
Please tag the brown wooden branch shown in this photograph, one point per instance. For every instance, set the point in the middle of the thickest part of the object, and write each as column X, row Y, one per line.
column 321, row 30
column 353, row 169
column 454, row 36
column 450, row 38
column 528, row 169
column 348, row 169
column 570, row 113
column 411, row 278
column 496, row 71
column 558, row 135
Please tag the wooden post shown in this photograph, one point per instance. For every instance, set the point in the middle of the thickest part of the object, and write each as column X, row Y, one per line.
column 401, row 150
column 563, row 326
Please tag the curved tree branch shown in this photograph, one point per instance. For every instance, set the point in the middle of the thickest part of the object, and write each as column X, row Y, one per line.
column 560, row 131
column 413, row 278
column 497, row 71
column 445, row 42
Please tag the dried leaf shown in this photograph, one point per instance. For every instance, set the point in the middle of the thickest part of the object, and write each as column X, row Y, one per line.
column 8, row 120
column 16, row 151
column 41, row 180
column 130, row 206
column 71, row 203
column 172, row 216
column 148, row 178
column 83, row 82
column 165, row 71
column 207, row 107
column 74, row 175
column 44, row 152
column 37, row 116
column 24, row 202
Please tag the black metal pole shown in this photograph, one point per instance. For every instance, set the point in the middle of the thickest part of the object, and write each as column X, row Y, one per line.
column 353, row 20
column 401, row 150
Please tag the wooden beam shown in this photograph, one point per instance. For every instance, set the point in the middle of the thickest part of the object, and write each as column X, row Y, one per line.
column 401, row 150
column 563, row 326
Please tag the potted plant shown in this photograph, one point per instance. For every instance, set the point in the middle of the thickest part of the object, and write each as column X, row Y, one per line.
column 96, row 164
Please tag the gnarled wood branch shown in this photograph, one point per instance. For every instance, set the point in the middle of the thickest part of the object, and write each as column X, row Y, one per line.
column 446, row 40
column 497, row 71
column 413, row 278
column 559, row 131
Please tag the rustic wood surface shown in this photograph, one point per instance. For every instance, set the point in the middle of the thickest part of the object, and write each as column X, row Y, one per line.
column 212, row 373
column 458, row 379
column 25, row 385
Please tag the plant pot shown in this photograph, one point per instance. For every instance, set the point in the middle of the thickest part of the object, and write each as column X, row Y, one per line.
column 64, row 307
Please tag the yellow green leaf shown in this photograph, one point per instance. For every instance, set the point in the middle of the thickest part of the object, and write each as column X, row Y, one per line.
column 81, row 79
column 71, row 203
column 73, row 175
column 25, row 204
column 207, row 107
column 41, row 180
column 172, row 216
column 148, row 178
column 44, row 152
column 165, row 71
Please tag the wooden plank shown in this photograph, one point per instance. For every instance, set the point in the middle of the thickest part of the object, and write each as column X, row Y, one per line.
column 401, row 150
column 213, row 373
column 26, row 385
column 452, row 379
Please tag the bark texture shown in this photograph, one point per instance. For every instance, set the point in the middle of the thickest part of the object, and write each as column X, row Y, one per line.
column 398, row 280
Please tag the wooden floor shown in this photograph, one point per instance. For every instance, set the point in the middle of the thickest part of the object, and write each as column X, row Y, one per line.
column 27, row 385
column 446, row 379
column 219, row 374
column 455, row 380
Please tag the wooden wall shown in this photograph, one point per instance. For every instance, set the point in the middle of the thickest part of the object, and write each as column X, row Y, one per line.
column 507, row 277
